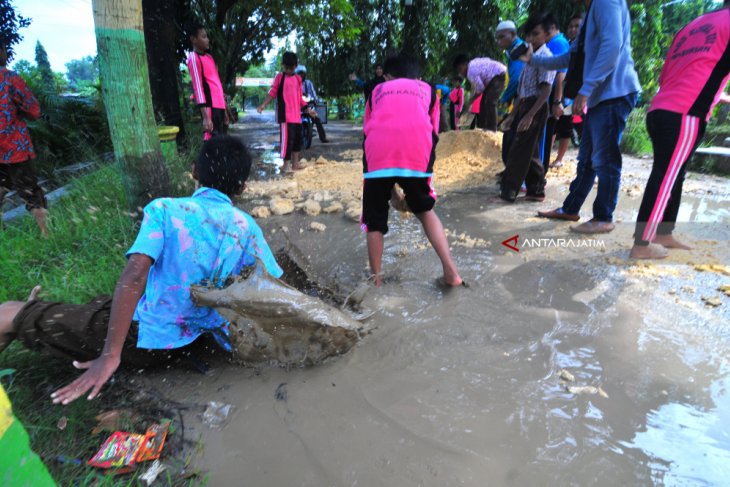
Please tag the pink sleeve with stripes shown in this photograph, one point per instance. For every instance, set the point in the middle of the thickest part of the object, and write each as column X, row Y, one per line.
column 275, row 85
column 196, row 78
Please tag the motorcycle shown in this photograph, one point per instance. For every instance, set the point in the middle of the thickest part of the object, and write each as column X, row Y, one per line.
column 307, row 126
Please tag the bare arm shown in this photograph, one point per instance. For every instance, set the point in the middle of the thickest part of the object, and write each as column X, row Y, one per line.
column 129, row 290
column 264, row 104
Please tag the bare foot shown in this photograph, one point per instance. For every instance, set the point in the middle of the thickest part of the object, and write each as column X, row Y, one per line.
column 40, row 215
column 668, row 241
column 34, row 293
column 298, row 167
column 651, row 251
column 450, row 282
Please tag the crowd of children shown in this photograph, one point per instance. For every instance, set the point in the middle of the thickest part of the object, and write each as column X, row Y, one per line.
column 183, row 241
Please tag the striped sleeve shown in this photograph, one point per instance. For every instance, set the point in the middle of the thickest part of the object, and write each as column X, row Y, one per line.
column 196, row 78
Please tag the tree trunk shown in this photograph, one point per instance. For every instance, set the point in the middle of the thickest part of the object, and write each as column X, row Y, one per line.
column 125, row 87
column 161, row 35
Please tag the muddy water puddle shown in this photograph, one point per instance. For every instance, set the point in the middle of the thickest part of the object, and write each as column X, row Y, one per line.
column 463, row 387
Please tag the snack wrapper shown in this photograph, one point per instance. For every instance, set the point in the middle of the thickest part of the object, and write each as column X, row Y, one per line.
column 123, row 449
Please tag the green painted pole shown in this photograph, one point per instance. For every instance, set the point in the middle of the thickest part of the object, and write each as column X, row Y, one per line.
column 125, row 87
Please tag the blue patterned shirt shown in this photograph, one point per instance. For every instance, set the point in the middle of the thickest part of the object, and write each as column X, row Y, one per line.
column 191, row 240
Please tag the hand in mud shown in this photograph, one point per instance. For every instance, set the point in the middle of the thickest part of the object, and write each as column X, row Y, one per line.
column 97, row 374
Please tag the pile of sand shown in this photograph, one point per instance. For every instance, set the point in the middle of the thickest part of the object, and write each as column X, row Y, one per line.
column 467, row 158
column 463, row 159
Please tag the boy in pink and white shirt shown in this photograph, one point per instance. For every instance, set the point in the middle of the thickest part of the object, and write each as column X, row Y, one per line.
column 457, row 102
column 207, row 86
column 401, row 149
column 692, row 83
column 287, row 91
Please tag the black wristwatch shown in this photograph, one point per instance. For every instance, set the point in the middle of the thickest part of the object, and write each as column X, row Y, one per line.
column 559, row 102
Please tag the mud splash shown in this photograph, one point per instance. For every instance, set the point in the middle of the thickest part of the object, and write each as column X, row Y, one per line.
column 274, row 323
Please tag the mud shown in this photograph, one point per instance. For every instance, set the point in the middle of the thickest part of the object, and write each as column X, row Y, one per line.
column 468, row 386
column 273, row 323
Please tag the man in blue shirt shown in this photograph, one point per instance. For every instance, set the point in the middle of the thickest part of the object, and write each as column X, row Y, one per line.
column 182, row 241
column 309, row 91
column 558, row 45
column 506, row 35
column 609, row 89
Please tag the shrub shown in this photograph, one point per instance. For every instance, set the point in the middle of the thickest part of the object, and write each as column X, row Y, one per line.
column 636, row 139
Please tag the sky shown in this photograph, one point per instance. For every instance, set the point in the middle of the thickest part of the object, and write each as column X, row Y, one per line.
column 66, row 30
column 64, row 27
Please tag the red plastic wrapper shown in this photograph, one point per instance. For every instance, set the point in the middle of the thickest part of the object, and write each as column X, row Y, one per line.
column 119, row 450
column 125, row 449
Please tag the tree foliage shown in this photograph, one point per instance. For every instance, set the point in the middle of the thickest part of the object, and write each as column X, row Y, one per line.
column 241, row 31
column 43, row 65
column 82, row 73
column 10, row 24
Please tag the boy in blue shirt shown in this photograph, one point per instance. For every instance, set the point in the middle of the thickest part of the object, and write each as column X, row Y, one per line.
column 182, row 241
column 558, row 45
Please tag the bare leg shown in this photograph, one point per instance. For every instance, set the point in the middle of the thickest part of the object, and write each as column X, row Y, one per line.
column 670, row 242
column 40, row 215
column 562, row 148
column 651, row 251
column 8, row 312
column 376, row 242
column 295, row 161
column 435, row 232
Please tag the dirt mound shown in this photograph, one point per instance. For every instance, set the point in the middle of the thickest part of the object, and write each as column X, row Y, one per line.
column 467, row 158
column 463, row 159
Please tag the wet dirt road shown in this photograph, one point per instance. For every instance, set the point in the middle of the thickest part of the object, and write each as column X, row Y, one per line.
column 462, row 387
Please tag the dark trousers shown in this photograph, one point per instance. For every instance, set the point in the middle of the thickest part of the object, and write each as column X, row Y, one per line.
column 524, row 162
column 599, row 156
column 22, row 177
column 508, row 137
column 320, row 130
column 547, row 145
column 487, row 118
column 674, row 137
column 453, row 122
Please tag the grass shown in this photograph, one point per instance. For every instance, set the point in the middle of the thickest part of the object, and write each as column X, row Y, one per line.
column 636, row 139
column 90, row 232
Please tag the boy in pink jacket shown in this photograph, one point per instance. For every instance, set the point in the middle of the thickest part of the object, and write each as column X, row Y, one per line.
column 402, row 149
column 287, row 91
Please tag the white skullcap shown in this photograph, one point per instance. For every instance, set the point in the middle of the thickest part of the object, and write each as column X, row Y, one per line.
column 507, row 25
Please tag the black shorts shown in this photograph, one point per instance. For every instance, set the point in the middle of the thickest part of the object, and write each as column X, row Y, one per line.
column 290, row 138
column 564, row 127
column 376, row 193
column 22, row 177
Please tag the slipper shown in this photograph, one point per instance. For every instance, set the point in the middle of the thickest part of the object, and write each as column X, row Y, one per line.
column 441, row 282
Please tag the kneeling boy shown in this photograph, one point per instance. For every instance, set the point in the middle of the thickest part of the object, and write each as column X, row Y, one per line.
column 401, row 130
column 182, row 241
